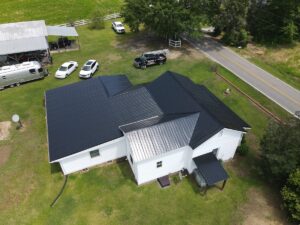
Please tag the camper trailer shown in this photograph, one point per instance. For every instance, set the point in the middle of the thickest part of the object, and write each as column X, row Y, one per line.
column 14, row 75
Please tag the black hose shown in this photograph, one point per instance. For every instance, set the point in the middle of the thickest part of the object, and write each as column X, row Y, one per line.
column 61, row 191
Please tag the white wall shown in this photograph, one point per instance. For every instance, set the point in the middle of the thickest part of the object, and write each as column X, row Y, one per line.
column 226, row 140
column 172, row 162
column 108, row 151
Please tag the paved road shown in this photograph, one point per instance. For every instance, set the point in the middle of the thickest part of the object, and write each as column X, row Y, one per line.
column 276, row 90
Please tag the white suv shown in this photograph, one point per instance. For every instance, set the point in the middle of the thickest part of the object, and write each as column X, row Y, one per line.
column 89, row 68
column 118, row 27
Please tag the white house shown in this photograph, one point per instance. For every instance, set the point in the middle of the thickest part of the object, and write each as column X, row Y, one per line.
column 161, row 127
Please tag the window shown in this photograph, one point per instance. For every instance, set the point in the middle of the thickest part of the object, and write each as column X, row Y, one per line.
column 159, row 164
column 131, row 160
column 94, row 153
column 32, row 71
column 70, row 66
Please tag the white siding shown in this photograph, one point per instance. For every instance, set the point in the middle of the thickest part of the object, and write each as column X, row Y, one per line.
column 172, row 162
column 108, row 151
column 226, row 141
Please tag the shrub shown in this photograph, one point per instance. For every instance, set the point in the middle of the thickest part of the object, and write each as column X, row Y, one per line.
column 243, row 149
column 97, row 21
column 291, row 196
column 280, row 151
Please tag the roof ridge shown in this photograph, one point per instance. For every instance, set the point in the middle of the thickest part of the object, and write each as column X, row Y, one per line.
column 193, row 97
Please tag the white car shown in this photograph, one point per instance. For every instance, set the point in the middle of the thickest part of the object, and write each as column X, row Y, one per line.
column 66, row 69
column 118, row 27
column 89, row 68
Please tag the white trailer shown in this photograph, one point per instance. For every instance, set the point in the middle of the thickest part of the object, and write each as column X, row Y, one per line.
column 14, row 75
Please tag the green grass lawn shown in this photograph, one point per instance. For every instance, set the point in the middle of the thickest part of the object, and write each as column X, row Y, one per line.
column 281, row 61
column 58, row 11
column 108, row 195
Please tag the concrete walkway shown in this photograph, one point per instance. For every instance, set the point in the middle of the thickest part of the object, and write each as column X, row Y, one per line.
column 278, row 91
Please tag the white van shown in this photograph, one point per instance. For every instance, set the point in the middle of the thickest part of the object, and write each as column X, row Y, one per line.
column 20, row 73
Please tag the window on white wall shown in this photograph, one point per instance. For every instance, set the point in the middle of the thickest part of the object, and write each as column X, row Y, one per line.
column 159, row 164
column 94, row 153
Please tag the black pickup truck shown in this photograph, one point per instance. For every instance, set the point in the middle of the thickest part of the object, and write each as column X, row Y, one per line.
column 149, row 59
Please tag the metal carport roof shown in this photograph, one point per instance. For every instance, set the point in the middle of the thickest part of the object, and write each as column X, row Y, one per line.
column 23, row 45
column 62, row 31
column 210, row 168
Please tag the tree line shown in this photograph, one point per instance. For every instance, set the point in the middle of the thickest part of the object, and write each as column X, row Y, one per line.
column 271, row 21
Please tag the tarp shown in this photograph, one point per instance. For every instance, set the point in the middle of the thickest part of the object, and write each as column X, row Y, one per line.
column 62, row 31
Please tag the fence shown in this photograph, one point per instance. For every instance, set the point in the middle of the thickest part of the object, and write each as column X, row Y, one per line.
column 83, row 22
column 175, row 44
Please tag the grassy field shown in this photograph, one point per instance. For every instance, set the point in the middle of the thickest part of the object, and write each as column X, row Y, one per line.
column 58, row 11
column 283, row 62
column 108, row 195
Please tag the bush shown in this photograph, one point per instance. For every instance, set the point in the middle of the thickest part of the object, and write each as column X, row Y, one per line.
column 291, row 196
column 97, row 21
column 236, row 38
column 280, row 151
column 243, row 149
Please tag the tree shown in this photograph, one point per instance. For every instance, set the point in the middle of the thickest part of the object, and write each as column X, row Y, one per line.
column 274, row 21
column 228, row 16
column 280, row 151
column 166, row 18
column 291, row 195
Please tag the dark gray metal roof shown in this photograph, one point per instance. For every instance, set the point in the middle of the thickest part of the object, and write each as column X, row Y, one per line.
column 82, row 115
column 115, row 84
column 155, row 140
column 89, row 113
column 210, row 168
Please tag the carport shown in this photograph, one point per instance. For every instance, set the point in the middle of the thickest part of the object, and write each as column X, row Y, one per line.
column 209, row 171
column 28, row 41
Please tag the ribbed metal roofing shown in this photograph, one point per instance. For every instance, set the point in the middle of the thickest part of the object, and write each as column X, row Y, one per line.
column 210, row 168
column 29, row 36
column 166, row 114
column 22, row 30
column 62, row 31
column 155, row 140
column 23, row 45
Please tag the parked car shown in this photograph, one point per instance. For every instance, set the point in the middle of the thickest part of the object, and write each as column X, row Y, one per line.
column 66, row 69
column 89, row 68
column 14, row 75
column 118, row 27
column 149, row 59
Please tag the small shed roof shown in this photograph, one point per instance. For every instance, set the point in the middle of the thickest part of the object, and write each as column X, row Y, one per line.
column 23, row 45
column 210, row 168
column 62, row 31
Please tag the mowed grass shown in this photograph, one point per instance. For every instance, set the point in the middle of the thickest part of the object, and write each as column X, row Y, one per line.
column 281, row 61
column 109, row 195
column 54, row 12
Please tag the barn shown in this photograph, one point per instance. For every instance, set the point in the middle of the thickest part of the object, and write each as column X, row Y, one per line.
column 168, row 125
column 27, row 41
